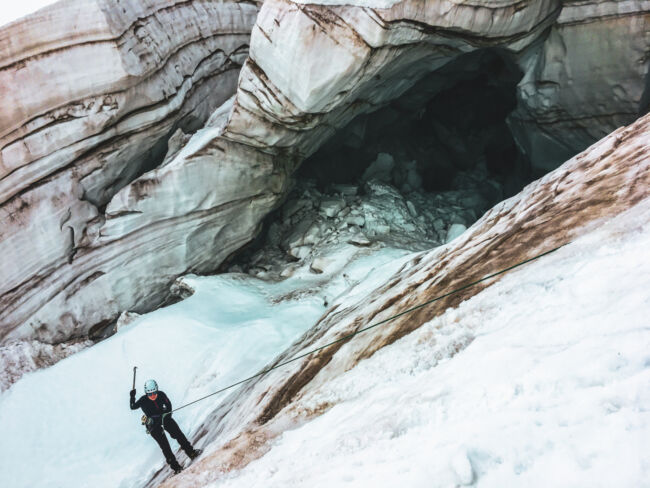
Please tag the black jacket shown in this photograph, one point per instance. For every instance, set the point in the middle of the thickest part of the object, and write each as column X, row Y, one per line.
column 154, row 409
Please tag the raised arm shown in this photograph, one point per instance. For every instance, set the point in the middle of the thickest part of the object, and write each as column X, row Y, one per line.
column 134, row 405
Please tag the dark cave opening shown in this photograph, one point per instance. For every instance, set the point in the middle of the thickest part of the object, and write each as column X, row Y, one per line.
column 414, row 174
column 452, row 121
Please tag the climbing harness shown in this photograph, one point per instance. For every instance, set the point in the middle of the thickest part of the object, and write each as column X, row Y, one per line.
column 147, row 422
column 372, row 326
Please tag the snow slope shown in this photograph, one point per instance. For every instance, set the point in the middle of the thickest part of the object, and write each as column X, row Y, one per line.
column 70, row 425
column 542, row 379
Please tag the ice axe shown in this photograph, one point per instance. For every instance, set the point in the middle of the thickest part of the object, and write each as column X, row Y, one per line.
column 134, row 368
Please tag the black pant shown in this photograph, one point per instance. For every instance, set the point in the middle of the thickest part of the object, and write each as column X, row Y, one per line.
column 175, row 432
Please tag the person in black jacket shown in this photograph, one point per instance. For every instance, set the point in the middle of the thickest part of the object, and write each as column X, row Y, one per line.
column 154, row 404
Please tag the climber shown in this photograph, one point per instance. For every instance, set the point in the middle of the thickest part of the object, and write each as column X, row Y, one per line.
column 157, row 415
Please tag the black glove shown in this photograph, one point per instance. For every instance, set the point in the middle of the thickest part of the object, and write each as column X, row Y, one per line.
column 132, row 393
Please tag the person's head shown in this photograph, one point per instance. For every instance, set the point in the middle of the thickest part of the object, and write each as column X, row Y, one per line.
column 151, row 389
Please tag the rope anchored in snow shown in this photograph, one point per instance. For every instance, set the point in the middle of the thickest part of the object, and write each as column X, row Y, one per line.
column 372, row 326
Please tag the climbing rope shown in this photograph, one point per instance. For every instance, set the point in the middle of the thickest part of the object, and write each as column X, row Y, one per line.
column 372, row 326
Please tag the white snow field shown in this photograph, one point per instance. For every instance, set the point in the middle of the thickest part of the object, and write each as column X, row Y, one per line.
column 70, row 425
column 540, row 380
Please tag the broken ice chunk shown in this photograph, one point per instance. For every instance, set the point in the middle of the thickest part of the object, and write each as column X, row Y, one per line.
column 454, row 231
column 332, row 206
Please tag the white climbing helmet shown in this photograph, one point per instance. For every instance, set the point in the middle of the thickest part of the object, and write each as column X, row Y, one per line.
column 150, row 386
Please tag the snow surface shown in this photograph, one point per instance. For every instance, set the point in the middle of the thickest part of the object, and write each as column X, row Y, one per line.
column 542, row 379
column 11, row 11
column 70, row 425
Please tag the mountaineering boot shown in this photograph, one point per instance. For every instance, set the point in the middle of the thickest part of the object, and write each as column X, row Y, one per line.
column 194, row 453
column 177, row 468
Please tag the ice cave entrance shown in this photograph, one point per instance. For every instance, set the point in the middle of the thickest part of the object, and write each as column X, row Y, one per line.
column 413, row 175
column 453, row 121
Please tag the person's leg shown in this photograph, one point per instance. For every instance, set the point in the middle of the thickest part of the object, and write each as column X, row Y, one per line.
column 175, row 431
column 159, row 436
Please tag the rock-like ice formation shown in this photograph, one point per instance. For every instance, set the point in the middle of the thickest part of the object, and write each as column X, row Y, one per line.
column 368, row 57
column 589, row 77
column 96, row 220
column 90, row 92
